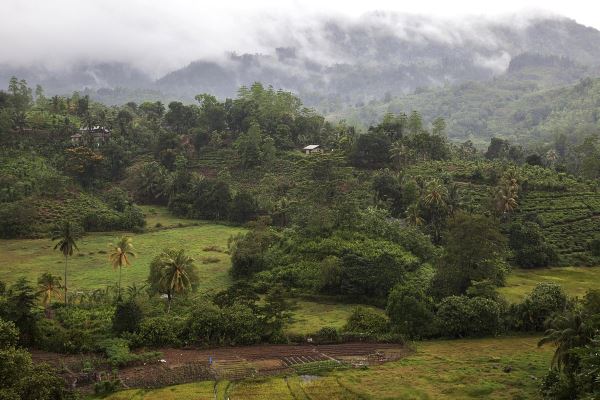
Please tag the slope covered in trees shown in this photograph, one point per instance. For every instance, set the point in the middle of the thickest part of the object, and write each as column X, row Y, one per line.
column 396, row 216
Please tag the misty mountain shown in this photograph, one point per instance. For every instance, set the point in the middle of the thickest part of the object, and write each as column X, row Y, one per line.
column 79, row 76
column 388, row 54
column 337, row 61
column 528, row 104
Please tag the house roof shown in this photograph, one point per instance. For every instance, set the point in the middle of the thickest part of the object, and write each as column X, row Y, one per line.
column 311, row 147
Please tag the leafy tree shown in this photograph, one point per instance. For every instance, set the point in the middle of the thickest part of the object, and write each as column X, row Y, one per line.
column 461, row 316
column 474, row 251
column 20, row 100
column 249, row 146
column 498, row 148
column 120, row 255
column 66, row 236
column 530, row 249
column 180, row 117
column 543, row 301
column 410, row 310
column 20, row 309
column 84, row 164
column 367, row 321
column 172, row 272
column 243, row 207
column 9, row 334
column 370, row 150
column 248, row 251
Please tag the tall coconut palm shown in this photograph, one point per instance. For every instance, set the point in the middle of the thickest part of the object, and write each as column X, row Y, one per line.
column 172, row 272
column 48, row 287
column 66, row 236
column 120, row 255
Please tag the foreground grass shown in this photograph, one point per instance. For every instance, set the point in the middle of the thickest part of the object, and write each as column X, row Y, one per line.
column 574, row 280
column 492, row 368
column 89, row 268
column 195, row 391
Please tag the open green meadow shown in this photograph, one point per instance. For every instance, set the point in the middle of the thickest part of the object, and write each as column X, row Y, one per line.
column 89, row 267
column 574, row 280
column 498, row 368
column 310, row 316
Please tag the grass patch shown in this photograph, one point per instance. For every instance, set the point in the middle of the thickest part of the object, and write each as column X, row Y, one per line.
column 574, row 280
column 190, row 391
column 310, row 316
column 161, row 217
column 90, row 268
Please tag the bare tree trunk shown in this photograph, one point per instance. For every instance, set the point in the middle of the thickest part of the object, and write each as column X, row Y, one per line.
column 66, row 264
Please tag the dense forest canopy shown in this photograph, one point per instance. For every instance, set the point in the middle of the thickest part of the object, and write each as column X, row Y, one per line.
column 395, row 216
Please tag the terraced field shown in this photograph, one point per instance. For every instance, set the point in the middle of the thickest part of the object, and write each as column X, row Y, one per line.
column 498, row 368
column 570, row 220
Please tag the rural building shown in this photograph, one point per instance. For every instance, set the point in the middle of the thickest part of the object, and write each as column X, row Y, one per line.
column 312, row 148
column 96, row 134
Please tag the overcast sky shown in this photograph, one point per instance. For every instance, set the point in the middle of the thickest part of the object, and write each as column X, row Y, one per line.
column 159, row 35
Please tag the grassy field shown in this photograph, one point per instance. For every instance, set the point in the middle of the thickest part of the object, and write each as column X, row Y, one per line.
column 574, row 280
column 195, row 391
column 89, row 268
column 310, row 316
column 494, row 368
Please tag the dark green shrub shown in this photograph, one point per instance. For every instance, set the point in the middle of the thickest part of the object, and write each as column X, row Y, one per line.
column 18, row 220
column 366, row 320
column 461, row 316
column 106, row 387
column 543, row 301
column 410, row 310
column 327, row 334
column 243, row 208
column 594, row 246
column 529, row 246
column 9, row 334
column 161, row 331
column 127, row 317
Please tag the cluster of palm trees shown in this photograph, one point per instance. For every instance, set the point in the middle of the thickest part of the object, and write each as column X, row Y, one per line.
column 436, row 202
column 171, row 272
column 66, row 242
column 506, row 194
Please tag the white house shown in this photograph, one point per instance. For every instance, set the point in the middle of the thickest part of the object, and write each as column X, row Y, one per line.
column 312, row 148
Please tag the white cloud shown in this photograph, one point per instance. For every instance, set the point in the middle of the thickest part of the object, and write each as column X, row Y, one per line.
column 158, row 35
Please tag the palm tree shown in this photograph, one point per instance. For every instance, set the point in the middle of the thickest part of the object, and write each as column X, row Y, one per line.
column 172, row 272
column 399, row 153
column 413, row 215
column 568, row 331
column 133, row 291
column 435, row 194
column 66, row 236
column 48, row 287
column 506, row 199
column 120, row 256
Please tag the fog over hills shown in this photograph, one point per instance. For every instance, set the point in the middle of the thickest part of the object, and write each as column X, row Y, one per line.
column 339, row 59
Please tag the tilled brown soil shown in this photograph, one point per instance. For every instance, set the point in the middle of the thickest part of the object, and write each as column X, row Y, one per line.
column 187, row 365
